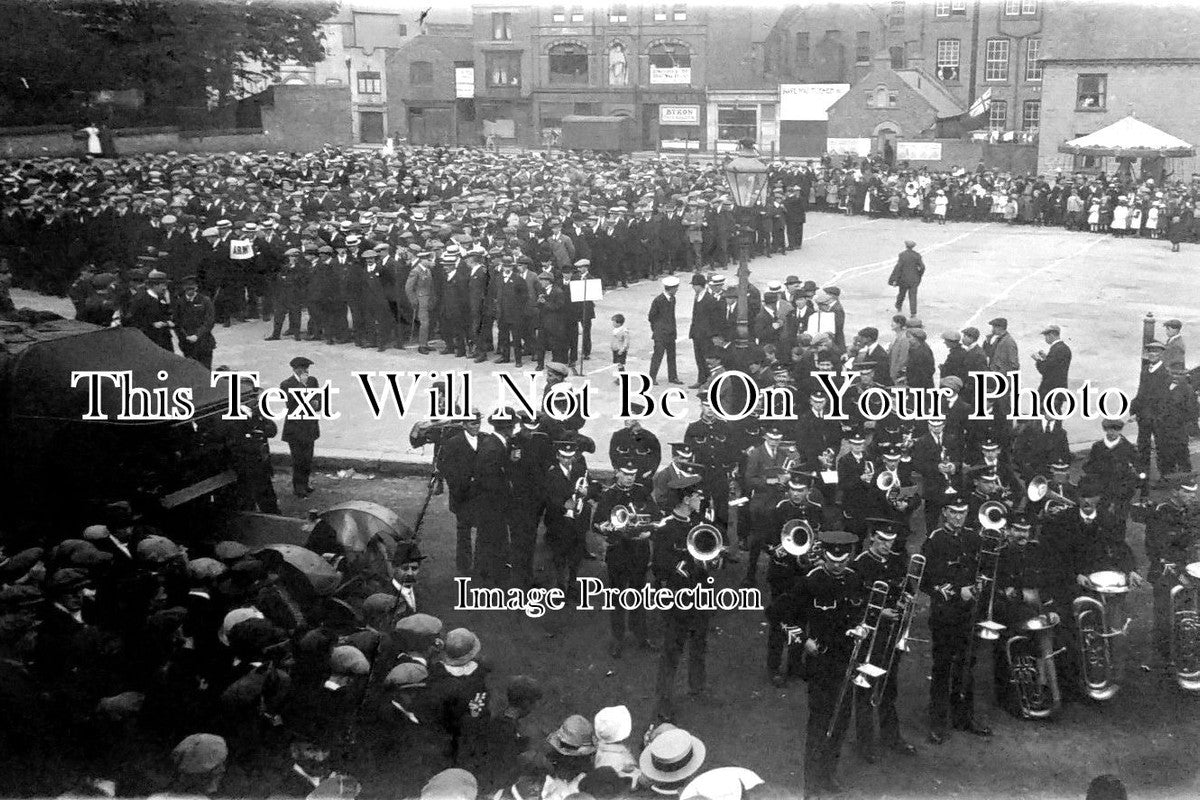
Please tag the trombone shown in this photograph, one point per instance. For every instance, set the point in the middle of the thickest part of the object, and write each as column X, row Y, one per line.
column 898, row 634
column 859, row 670
column 987, row 573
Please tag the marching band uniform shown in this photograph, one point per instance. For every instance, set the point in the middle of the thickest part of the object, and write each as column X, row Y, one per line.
column 830, row 602
column 628, row 555
column 1172, row 532
column 891, row 567
column 565, row 534
column 675, row 569
column 952, row 557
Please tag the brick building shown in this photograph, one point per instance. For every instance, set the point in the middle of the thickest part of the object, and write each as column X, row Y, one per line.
column 427, row 100
column 971, row 48
column 1102, row 63
column 887, row 105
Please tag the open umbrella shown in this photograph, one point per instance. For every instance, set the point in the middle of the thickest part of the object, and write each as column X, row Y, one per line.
column 319, row 573
column 353, row 527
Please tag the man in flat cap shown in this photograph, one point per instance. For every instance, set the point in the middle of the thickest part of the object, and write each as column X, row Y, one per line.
column 1053, row 363
column 1149, row 407
column 1174, row 349
column 288, row 294
column 150, row 311
column 194, row 317
column 300, row 434
column 906, row 277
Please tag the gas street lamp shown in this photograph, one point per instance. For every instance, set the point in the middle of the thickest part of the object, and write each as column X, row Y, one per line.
column 747, row 179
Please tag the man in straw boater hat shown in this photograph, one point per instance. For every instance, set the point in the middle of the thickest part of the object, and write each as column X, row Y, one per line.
column 670, row 760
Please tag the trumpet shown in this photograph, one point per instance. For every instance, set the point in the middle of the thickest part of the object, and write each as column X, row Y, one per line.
column 898, row 635
column 796, row 538
column 1185, row 629
column 860, row 671
column 1039, row 489
column 579, row 498
column 624, row 519
column 1096, row 632
column 705, row 543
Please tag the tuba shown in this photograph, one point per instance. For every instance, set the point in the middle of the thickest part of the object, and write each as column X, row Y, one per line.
column 1185, row 629
column 1039, row 489
column 1030, row 655
column 860, row 671
column 796, row 538
column 898, row 635
column 1096, row 632
column 705, row 543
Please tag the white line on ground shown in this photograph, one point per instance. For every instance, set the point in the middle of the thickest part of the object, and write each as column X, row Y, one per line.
column 1045, row 268
column 874, row 265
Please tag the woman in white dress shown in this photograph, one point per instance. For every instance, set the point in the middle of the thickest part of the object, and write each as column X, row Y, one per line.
column 1152, row 215
column 1120, row 217
column 94, row 147
column 1135, row 219
column 1094, row 216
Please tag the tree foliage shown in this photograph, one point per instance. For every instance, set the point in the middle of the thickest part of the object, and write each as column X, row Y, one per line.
column 178, row 53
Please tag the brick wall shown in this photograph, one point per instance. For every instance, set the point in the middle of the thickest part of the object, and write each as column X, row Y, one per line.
column 851, row 117
column 1160, row 95
column 302, row 118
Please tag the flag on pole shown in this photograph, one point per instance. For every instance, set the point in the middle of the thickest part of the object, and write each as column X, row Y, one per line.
column 981, row 104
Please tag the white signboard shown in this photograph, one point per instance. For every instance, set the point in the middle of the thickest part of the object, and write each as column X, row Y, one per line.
column 680, row 144
column 679, row 115
column 809, row 101
column 241, row 249
column 588, row 290
column 919, row 151
column 848, row 147
column 671, row 75
column 464, row 81
column 822, row 322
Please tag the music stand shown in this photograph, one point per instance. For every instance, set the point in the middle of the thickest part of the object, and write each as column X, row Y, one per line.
column 584, row 291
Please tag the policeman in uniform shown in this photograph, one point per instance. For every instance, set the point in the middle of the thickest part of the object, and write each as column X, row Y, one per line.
column 952, row 559
column 628, row 555
column 675, row 569
column 881, row 560
column 830, row 603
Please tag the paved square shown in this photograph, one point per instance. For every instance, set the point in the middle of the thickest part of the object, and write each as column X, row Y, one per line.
column 1096, row 287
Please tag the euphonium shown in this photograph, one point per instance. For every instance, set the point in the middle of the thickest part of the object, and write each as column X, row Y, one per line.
column 796, row 538
column 887, row 482
column 1039, row 489
column 705, row 543
column 897, row 640
column 1031, row 666
column 993, row 516
column 1096, row 632
column 1185, row 629
column 859, row 670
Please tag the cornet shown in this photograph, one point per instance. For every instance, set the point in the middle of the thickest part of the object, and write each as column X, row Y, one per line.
column 580, row 497
column 705, row 543
column 623, row 519
column 868, row 473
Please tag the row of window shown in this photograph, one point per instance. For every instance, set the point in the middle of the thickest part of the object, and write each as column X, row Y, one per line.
column 502, row 22
column 996, row 59
column 1031, row 115
column 1012, row 8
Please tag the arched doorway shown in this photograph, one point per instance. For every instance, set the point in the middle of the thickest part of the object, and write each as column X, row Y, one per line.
column 884, row 140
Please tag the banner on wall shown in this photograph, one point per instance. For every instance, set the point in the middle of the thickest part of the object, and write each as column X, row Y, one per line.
column 848, row 147
column 919, row 151
column 809, row 101
column 464, row 82
column 671, row 75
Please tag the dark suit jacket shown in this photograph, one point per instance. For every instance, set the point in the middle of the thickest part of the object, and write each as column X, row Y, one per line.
column 662, row 319
column 299, row 430
column 908, row 270
column 456, row 462
column 707, row 318
column 144, row 310
column 1054, row 367
column 489, row 479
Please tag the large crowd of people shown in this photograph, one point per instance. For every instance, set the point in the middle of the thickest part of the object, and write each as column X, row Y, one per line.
column 126, row 641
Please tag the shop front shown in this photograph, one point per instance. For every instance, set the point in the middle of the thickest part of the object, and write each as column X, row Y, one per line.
column 737, row 115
